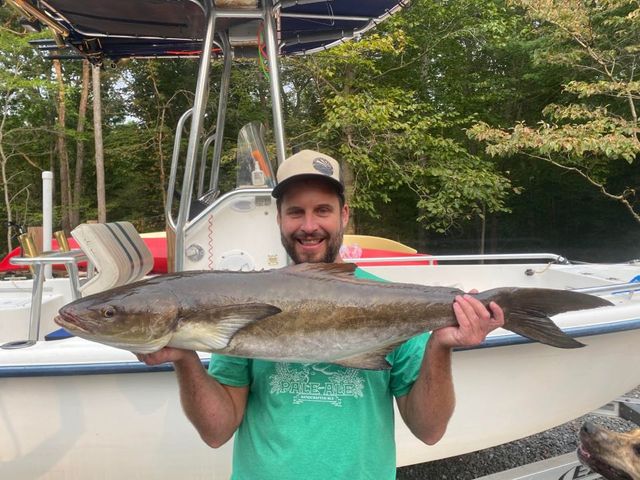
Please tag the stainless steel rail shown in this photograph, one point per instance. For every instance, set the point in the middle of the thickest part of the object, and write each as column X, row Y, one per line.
column 197, row 117
column 552, row 257
column 270, row 33
column 171, row 186
column 70, row 260
column 222, row 105
column 267, row 14
column 334, row 18
column 203, row 164
column 615, row 288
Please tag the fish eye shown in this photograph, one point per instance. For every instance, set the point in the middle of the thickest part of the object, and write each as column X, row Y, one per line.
column 108, row 312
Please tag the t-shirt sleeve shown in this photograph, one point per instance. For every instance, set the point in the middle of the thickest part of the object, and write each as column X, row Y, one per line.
column 232, row 371
column 405, row 364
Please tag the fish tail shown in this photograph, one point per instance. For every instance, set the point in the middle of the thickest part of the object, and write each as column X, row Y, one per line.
column 527, row 312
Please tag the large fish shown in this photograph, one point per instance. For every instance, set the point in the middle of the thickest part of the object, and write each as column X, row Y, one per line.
column 305, row 313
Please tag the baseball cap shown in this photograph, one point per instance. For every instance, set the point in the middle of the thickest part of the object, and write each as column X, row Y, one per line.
column 308, row 164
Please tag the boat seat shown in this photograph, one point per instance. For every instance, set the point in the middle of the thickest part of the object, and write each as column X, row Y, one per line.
column 117, row 252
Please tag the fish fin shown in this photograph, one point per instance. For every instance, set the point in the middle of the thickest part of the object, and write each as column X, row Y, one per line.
column 537, row 326
column 336, row 271
column 232, row 318
column 375, row 360
column 527, row 312
column 323, row 270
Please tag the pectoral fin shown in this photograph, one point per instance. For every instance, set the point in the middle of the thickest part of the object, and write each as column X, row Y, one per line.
column 222, row 323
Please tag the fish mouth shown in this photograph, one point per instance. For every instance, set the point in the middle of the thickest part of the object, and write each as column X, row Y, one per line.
column 69, row 321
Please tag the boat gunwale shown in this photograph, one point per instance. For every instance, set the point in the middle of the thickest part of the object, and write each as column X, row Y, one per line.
column 127, row 366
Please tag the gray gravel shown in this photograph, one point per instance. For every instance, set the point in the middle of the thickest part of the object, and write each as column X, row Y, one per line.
column 557, row 441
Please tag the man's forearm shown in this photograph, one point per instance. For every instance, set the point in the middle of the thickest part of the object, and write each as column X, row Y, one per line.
column 214, row 409
column 430, row 403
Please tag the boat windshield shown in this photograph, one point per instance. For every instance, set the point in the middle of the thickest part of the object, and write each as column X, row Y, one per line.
column 252, row 161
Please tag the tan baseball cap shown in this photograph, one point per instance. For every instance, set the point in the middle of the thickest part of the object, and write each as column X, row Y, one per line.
column 308, row 164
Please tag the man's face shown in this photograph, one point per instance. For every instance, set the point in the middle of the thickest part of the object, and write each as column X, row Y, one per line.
column 312, row 222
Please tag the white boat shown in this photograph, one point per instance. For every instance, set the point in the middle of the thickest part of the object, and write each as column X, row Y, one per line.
column 75, row 409
column 70, row 408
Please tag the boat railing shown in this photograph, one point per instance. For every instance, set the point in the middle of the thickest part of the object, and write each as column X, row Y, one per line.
column 211, row 192
column 266, row 13
column 171, row 187
column 545, row 257
column 613, row 289
column 70, row 260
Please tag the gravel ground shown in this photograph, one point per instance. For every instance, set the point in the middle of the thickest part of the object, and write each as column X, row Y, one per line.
column 557, row 441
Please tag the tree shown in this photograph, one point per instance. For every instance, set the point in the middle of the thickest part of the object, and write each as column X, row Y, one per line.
column 61, row 149
column 391, row 135
column 26, row 132
column 80, row 144
column 595, row 126
column 97, row 136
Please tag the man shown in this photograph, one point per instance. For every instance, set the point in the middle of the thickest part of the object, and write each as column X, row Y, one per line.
column 323, row 421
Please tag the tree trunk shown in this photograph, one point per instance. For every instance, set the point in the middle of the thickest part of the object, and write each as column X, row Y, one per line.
column 483, row 231
column 5, row 186
column 61, row 148
column 3, row 169
column 80, row 151
column 348, row 176
column 159, row 138
column 348, row 180
column 97, row 133
column 494, row 234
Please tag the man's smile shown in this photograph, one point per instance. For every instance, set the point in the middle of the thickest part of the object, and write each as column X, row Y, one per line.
column 310, row 243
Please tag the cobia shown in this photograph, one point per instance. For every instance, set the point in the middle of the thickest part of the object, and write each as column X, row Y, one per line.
column 304, row 313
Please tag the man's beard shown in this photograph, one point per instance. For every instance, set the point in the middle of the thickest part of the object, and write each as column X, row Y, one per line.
column 332, row 250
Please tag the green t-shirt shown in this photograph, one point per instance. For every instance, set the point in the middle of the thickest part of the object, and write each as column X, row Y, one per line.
column 318, row 421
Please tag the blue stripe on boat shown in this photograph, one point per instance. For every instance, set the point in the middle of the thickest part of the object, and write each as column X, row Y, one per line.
column 575, row 332
column 138, row 367
column 83, row 369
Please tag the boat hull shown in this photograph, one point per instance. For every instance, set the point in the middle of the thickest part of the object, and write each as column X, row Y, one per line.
column 131, row 424
column 76, row 409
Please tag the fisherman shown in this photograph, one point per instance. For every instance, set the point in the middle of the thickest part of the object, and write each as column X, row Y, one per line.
column 323, row 421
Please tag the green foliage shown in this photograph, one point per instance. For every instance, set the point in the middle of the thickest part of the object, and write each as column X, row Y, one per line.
column 395, row 105
column 396, row 143
column 406, row 109
column 601, row 43
column 25, row 128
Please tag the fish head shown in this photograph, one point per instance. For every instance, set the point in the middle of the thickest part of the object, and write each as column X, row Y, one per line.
column 137, row 320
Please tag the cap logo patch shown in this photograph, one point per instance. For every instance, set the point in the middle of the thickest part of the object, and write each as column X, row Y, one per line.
column 323, row 166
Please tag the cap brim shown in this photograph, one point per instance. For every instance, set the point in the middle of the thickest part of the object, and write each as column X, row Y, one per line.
column 279, row 189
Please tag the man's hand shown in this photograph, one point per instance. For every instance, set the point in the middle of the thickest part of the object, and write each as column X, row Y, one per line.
column 166, row 354
column 474, row 323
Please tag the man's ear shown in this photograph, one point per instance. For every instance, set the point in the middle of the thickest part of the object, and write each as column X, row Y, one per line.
column 345, row 215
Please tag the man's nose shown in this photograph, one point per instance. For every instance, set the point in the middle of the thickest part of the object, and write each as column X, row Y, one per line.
column 309, row 224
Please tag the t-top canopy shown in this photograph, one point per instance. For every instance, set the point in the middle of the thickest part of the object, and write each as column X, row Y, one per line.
column 118, row 29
